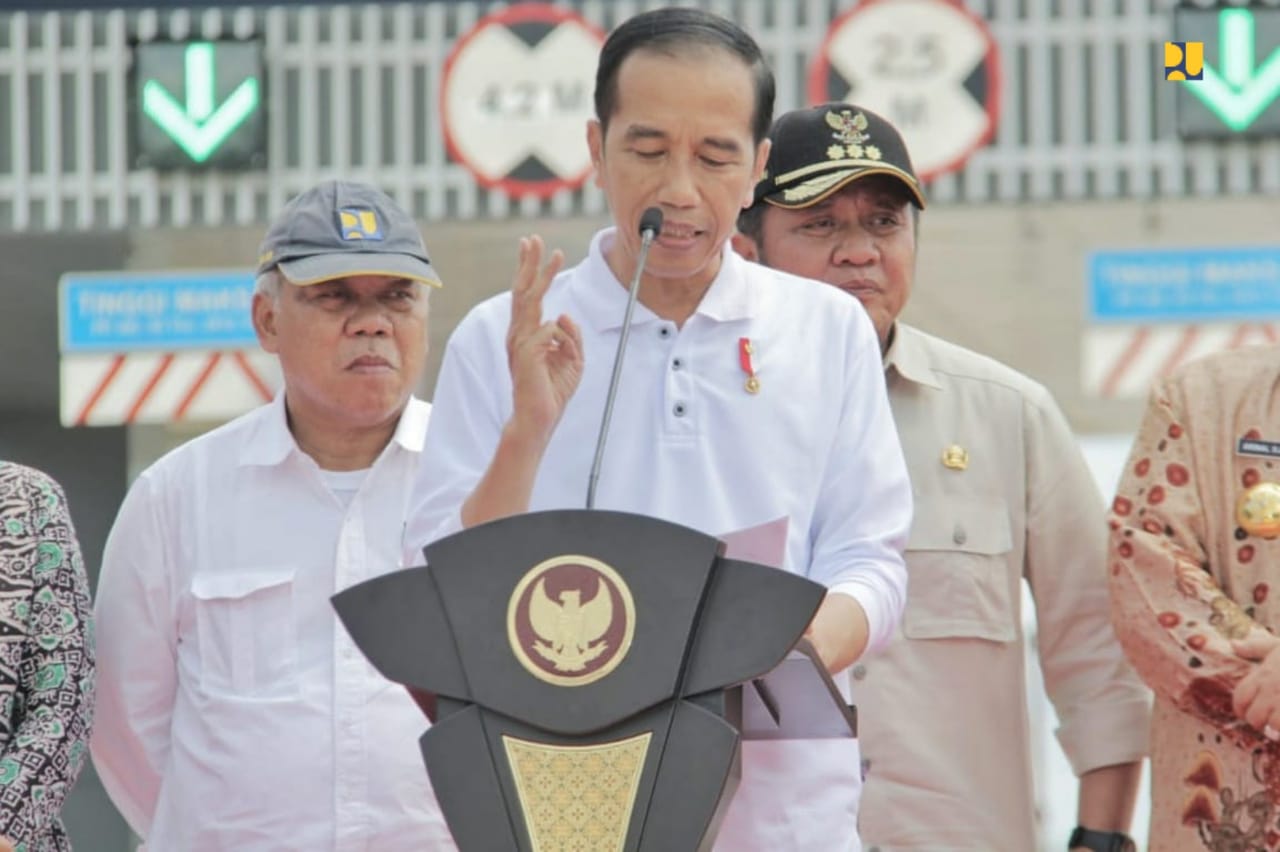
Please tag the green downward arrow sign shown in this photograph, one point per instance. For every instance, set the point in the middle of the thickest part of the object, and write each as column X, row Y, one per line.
column 198, row 127
column 1239, row 92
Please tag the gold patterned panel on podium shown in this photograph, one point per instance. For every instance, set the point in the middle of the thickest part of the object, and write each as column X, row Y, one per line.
column 577, row 798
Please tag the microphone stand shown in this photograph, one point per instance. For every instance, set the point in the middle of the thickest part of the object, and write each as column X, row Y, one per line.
column 650, row 227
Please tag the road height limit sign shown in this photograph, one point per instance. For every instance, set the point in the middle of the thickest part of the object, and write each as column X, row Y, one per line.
column 929, row 66
column 516, row 96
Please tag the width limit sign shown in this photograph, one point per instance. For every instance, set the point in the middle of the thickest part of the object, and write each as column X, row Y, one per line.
column 929, row 66
column 516, row 96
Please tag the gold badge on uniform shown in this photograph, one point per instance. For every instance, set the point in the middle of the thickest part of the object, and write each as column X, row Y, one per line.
column 1258, row 510
column 570, row 620
column 955, row 457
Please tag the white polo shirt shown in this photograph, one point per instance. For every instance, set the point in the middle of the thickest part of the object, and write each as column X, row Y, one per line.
column 689, row 444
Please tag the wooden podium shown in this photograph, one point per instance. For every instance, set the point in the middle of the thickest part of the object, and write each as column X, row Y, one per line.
column 584, row 672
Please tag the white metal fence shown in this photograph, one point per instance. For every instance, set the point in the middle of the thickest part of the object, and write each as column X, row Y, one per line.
column 352, row 91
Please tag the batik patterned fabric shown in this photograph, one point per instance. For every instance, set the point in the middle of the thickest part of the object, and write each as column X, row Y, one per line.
column 1194, row 557
column 46, row 659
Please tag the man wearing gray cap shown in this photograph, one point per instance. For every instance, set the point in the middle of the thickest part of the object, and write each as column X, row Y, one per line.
column 233, row 710
column 1002, row 495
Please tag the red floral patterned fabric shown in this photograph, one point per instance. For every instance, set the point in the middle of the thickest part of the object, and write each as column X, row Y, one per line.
column 1188, row 575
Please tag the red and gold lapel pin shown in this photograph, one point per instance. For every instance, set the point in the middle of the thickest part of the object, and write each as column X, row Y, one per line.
column 744, row 359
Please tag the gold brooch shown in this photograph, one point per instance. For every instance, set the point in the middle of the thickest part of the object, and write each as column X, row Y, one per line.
column 955, row 457
column 1258, row 510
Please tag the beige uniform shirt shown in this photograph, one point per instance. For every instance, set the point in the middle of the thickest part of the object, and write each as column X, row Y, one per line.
column 1188, row 574
column 943, row 714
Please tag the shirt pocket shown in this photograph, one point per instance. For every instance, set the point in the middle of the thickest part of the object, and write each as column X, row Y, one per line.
column 245, row 629
column 957, row 583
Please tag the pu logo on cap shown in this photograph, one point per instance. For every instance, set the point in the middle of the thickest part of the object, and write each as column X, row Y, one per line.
column 358, row 223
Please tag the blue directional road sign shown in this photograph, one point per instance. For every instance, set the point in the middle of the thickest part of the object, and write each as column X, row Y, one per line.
column 124, row 312
column 1184, row 285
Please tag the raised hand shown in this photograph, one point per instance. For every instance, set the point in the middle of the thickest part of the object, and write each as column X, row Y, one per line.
column 545, row 358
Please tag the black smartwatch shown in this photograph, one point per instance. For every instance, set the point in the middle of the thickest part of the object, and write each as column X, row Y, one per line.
column 1101, row 841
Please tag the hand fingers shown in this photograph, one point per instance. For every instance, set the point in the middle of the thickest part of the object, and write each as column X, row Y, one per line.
column 1243, row 696
column 568, row 344
column 1257, row 645
column 548, row 336
column 546, row 274
column 530, row 284
column 1259, row 713
column 1258, row 703
column 525, row 315
column 571, row 328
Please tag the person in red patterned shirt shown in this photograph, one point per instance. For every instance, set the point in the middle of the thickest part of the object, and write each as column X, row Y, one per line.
column 1194, row 555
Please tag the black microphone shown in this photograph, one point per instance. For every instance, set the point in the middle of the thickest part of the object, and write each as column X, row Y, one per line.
column 650, row 227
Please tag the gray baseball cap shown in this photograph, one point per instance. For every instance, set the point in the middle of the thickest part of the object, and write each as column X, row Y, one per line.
column 340, row 228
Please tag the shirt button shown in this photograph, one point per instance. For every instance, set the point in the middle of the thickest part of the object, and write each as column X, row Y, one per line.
column 859, row 672
column 678, row 409
column 959, row 536
column 677, row 364
column 664, row 331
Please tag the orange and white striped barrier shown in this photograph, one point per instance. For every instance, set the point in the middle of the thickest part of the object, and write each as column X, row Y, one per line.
column 117, row 388
column 1121, row 361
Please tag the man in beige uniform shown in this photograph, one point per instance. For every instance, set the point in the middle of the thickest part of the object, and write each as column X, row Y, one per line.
column 1002, row 494
column 1194, row 554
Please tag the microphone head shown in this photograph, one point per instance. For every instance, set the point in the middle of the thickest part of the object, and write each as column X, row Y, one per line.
column 651, row 220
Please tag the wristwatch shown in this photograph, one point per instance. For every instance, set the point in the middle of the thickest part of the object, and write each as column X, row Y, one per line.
column 1101, row 841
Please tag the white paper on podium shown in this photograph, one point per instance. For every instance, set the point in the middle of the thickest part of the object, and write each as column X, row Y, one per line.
column 764, row 543
column 813, row 711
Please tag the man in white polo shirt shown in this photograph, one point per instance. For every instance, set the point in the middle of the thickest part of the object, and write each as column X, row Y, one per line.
column 747, row 395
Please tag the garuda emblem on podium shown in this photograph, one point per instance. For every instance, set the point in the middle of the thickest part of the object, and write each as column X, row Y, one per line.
column 570, row 620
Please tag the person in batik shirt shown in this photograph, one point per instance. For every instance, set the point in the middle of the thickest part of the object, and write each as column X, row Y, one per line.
column 46, row 660
column 1194, row 568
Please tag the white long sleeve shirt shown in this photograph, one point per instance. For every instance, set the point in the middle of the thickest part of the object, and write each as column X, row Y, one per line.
column 689, row 444
column 234, row 712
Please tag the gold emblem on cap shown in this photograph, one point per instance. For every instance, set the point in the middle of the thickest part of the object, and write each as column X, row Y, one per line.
column 559, row 637
column 955, row 457
column 851, row 132
column 1258, row 510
